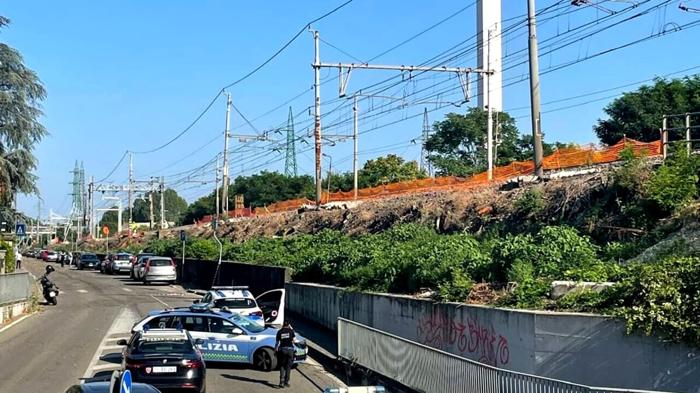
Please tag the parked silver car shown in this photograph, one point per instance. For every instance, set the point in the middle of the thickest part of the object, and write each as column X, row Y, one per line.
column 157, row 269
column 121, row 263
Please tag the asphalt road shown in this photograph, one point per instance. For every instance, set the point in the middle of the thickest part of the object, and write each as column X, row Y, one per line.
column 54, row 349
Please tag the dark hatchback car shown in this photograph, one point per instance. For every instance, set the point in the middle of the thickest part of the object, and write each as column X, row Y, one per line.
column 166, row 359
column 88, row 261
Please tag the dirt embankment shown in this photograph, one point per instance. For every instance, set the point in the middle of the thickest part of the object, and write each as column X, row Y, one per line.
column 563, row 200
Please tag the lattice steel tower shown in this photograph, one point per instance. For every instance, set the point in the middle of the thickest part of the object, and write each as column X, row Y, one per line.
column 290, row 163
column 425, row 164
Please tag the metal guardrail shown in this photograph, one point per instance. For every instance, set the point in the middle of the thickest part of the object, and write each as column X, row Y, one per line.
column 429, row 370
column 15, row 287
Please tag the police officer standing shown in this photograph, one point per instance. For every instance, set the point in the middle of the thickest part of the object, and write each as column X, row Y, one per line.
column 285, row 352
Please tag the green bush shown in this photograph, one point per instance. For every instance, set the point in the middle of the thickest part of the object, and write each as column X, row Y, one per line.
column 531, row 202
column 10, row 259
column 555, row 252
column 585, row 301
column 530, row 290
column 662, row 298
column 674, row 184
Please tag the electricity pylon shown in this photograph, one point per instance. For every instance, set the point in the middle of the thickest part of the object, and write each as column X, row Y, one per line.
column 290, row 163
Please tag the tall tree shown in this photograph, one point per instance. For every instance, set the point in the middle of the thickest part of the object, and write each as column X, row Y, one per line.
column 21, row 92
column 110, row 220
column 266, row 187
column 199, row 208
column 389, row 169
column 175, row 207
column 638, row 114
column 457, row 146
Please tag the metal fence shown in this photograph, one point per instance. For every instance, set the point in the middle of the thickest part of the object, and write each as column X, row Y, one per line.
column 15, row 287
column 429, row 370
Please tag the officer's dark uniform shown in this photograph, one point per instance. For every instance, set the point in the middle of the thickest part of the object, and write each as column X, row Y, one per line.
column 285, row 352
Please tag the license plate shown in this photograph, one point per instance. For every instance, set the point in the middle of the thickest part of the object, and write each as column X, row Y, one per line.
column 166, row 369
column 52, row 294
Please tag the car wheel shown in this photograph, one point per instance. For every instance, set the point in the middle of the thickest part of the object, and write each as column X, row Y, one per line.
column 265, row 359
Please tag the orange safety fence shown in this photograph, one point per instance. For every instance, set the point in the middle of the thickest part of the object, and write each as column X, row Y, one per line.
column 561, row 159
column 564, row 158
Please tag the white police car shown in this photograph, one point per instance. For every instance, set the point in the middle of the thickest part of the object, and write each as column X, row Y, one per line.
column 226, row 336
column 266, row 309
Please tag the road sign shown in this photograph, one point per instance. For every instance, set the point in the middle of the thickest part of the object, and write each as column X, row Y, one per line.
column 105, row 230
column 183, row 235
column 125, row 386
column 21, row 230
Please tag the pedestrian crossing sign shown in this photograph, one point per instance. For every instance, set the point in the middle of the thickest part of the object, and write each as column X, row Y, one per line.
column 21, row 230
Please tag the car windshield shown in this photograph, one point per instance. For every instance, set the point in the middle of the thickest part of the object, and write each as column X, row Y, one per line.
column 123, row 257
column 89, row 256
column 234, row 303
column 160, row 262
column 246, row 323
column 163, row 346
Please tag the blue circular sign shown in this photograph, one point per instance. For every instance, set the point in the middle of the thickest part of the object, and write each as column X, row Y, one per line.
column 125, row 385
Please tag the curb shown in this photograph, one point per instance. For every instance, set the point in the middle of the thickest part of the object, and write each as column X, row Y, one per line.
column 16, row 321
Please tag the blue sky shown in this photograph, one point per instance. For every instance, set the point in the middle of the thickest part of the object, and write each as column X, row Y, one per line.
column 130, row 75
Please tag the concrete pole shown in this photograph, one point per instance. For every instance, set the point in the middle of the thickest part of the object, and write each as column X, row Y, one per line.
column 131, row 188
column 664, row 136
column 119, row 216
column 535, row 90
column 227, row 133
column 151, row 218
column 216, row 183
column 162, row 203
column 489, row 113
column 689, row 144
column 317, row 115
column 355, row 168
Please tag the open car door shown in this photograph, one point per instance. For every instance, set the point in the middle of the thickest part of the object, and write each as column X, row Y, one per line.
column 272, row 305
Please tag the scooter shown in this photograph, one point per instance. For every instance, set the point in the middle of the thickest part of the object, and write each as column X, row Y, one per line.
column 50, row 290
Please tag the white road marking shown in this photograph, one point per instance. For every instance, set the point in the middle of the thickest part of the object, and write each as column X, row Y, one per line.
column 160, row 301
column 18, row 320
column 127, row 289
column 121, row 326
column 82, row 291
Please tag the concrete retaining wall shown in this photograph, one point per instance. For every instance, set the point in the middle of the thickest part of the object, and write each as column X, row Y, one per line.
column 9, row 311
column 581, row 348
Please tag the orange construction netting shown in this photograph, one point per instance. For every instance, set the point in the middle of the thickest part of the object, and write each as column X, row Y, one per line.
column 561, row 159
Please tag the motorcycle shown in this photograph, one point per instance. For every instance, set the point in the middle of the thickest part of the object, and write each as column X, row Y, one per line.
column 50, row 290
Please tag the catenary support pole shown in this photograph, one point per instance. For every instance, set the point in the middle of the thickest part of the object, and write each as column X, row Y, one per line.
column 227, row 135
column 355, row 168
column 689, row 144
column 317, row 115
column 535, row 90
column 216, row 184
column 489, row 113
column 664, row 136
column 163, row 222
column 131, row 188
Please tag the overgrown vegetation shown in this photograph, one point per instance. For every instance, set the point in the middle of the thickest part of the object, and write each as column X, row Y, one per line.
column 660, row 297
column 9, row 257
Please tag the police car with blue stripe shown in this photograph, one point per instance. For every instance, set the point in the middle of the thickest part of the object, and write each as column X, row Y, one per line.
column 225, row 336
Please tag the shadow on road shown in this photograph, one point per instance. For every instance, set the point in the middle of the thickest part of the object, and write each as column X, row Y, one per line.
column 246, row 379
column 115, row 357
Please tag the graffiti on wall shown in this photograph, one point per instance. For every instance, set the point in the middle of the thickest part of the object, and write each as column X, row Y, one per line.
column 474, row 340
